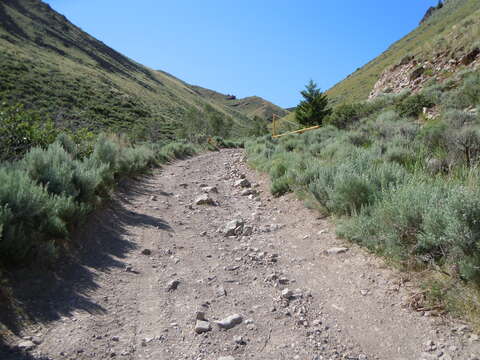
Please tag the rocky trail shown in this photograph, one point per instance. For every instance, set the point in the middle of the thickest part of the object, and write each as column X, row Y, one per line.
column 199, row 262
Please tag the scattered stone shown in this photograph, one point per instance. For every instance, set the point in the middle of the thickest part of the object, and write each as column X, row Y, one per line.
column 230, row 322
column 234, row 227
column 247, row 192
column 232, row 268
column 146, row 252
column 153, row 198
column 244, row 183
column 247, row 231
column 239, row 340
column 226, row 358
column 336, row 250
column 202, row 326
column 287, row 294
column 26, row 345
column 220, row 291
column 115, row 338
column 210, row 189
column 204, row 199
column 36, row 340
column 200, row 315
column 173, row 285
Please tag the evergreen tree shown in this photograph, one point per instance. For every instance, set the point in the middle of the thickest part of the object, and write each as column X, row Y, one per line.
column 312, row 110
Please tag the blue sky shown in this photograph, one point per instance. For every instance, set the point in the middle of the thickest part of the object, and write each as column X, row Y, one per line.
column 269, row 48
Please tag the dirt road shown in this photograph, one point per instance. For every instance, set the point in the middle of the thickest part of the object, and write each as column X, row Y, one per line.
column 257, row 277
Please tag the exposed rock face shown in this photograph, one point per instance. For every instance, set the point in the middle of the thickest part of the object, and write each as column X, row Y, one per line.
column 431, row 10
column 412, row 74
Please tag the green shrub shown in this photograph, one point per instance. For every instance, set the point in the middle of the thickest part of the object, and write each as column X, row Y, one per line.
column 175, row 150
column 20, row 130
column 29, row 216
column 345, row 187
column 345, row 115
column 413, row 105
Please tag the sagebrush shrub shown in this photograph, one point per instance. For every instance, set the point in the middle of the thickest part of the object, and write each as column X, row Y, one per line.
column 29, row 215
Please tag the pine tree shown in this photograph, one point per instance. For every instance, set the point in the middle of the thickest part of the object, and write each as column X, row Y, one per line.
column 312, row 110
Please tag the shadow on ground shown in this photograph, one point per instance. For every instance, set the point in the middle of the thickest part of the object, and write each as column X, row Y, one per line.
column 39, row 296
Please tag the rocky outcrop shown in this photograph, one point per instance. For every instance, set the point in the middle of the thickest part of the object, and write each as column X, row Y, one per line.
column 412, row 74
column 431, row 10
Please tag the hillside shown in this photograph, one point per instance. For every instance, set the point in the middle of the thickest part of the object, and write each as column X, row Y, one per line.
column 250, row 106
column 450, row 33
column 54, row 67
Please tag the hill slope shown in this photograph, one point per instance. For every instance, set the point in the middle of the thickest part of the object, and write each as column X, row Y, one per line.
column 449, row 33
column 251, row 106
column 52, row 66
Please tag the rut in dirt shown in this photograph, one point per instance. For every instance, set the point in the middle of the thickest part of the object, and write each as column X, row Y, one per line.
column 198, row 261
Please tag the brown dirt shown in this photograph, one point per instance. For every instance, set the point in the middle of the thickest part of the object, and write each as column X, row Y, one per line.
column 113, row 301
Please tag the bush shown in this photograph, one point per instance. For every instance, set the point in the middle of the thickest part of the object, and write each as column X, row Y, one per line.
column 29, row 216
column 345, row 115
column 21, row 130
column 344, row 188
column 175, row 150
column 413, row 105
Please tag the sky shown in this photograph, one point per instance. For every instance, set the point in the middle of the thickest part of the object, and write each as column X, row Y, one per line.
column 268, row 48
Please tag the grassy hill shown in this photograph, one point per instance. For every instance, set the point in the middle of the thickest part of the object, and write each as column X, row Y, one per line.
column 452, row 29
column 250, row 106
column 54, row 67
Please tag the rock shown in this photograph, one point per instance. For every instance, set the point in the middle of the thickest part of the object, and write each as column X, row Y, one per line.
column 336, row 250
column 364, row 292
column 173, row 285
column 220, row 291
column 230, row 322
column 26, row 345
column 247, row 192
column 115, row 338
column 239, row 340
column 146, row 252
column 415, row 74
column 200, row 315
column 244, row 183
column 210, row 189
column 234, row 227
column 247, row 231
column 435, row 166
column 287, row 294
column 202, row 326
column 470, row 57
column 204, row 199
column 36, row 340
